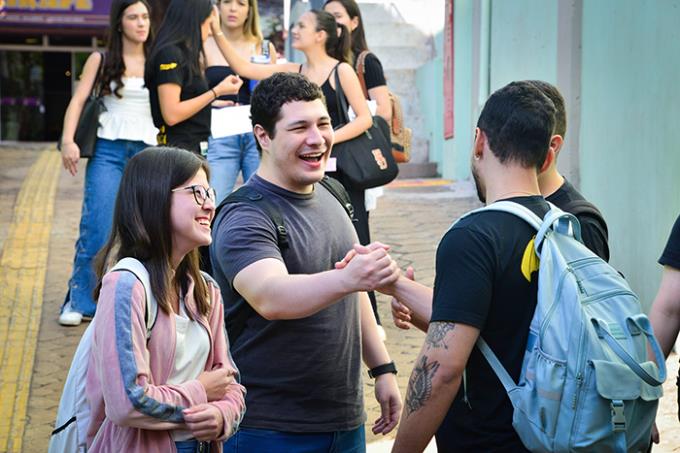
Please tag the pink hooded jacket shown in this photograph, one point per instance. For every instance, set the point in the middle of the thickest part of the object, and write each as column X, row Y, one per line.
column 133, row 410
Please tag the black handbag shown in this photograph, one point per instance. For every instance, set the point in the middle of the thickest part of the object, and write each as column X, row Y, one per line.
column 88, row 123
column 366, row 161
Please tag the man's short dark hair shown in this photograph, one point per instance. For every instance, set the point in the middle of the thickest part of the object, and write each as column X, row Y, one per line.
column 275, row 91
column 518, row 121
column 555, row 96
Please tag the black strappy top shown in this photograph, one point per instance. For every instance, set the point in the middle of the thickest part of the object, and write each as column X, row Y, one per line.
column 331, row 101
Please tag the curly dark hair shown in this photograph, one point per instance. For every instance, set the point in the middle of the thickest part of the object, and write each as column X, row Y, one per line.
column 272, row 93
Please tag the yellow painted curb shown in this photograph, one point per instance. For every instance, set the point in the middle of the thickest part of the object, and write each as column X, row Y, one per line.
column 22, row 280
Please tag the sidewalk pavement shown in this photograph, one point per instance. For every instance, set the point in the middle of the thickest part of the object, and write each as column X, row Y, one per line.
column 39, row 215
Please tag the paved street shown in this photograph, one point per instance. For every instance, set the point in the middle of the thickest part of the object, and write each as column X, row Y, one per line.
column 39, row 214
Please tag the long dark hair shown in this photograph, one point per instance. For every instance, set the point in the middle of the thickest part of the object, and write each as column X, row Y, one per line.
column 114, row 66
column 337, row 46
column 181, row 27
column 141, row 226
column 358, row 35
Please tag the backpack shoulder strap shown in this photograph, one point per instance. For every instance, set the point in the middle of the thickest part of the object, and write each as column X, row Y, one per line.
column 249, row 195
column 137, row 268
column 338, row 191
column 361, row 70
column 584, row 208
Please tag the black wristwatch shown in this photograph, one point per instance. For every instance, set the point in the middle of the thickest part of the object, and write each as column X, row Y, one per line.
column 382, row 369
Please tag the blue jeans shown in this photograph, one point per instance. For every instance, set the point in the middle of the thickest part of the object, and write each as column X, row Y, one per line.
column 191, row 446
column 102, row 178
column 248, row 440
column 227, row 157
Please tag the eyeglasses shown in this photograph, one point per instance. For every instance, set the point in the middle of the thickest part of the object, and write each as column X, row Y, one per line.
column 201, row 194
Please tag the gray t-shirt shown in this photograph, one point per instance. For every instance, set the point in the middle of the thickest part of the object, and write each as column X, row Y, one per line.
column 301, row 375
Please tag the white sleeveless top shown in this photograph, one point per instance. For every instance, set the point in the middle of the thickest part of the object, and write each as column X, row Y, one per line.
column 129, row 117
column 191, row 353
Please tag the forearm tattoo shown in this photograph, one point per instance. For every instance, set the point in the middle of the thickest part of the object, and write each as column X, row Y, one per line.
column 420, row 384
column 436, row 334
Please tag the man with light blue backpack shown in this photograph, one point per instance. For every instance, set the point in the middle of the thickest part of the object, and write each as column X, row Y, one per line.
column 561, row 359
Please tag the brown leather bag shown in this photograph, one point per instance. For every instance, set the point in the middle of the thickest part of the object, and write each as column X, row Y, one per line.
column 400, row 136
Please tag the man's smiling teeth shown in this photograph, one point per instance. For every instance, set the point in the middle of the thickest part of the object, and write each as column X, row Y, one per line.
column 204, row 222
column 312, row 156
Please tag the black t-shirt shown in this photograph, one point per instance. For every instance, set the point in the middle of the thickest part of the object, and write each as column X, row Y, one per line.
column 479, row 282
column 593, row 227
column 671, row 254
column 170, row 66
column 374, row 76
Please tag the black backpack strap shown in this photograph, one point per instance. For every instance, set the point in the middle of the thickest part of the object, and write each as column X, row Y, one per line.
column 338, row 191
column 249, row 195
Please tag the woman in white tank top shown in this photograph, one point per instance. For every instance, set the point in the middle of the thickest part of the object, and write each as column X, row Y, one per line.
column 125, row 129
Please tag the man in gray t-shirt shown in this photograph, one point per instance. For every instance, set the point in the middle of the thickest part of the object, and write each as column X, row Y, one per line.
column 300, row 351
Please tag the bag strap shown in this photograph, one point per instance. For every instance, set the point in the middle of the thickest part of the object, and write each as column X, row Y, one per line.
column 361, row 70
column 250, row 195
column 139, row 270
column 96, row 89
column 338, row 191
column 340, row 99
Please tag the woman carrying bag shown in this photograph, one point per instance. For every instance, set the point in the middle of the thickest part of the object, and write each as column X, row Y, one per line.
column 173, row 387
column 125, row 129
column 233, row 154
column 347, row 13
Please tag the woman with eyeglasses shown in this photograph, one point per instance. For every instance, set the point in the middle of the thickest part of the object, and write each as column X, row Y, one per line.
column 175, row 387
column 125, row 129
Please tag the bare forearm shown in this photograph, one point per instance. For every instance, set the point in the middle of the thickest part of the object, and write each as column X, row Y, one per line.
column 373, row 349
column 243, row 67
column 418, row 298
column 353, row 129
column 665, row 312
column 71, row 117
column 298, row 296
column 421, row 419
column 176, row 111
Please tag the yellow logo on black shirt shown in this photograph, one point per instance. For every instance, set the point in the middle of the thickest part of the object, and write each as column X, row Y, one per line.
column 168, row 66
column 530, row 261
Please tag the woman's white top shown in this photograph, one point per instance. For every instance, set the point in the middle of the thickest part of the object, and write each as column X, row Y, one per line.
column 129, row 117
column 191, row 353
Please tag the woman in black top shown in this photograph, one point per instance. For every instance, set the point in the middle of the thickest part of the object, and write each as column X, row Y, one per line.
column 179, row 94
column 347, row 13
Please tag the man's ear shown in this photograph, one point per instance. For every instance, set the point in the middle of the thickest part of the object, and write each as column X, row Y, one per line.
column 262, row 137
column 478, row 147
column 556, row 142
column 549, row 158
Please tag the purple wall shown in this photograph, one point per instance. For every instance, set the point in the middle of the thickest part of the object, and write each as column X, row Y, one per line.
column 50, row 13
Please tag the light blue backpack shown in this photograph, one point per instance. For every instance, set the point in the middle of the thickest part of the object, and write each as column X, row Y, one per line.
column 586, row 382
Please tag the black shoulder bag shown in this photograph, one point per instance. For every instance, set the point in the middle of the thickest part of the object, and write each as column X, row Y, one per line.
column 88, row 123
column 366, row 161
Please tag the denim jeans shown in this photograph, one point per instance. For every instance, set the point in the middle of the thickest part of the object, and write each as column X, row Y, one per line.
column 248, row 440
column 192, row 446
column 102, row 178
column 227, row 157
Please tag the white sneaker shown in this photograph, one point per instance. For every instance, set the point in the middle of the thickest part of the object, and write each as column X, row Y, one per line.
column 70, row 317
